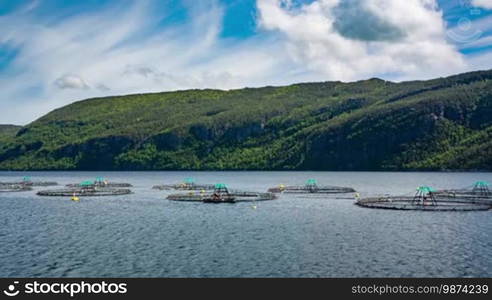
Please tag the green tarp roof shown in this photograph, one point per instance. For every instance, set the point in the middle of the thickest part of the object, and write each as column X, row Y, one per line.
column 425, row 189
column 189, row 180
column 311, row 182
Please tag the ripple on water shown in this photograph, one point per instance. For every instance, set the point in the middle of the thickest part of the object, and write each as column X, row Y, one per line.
column 143, row 234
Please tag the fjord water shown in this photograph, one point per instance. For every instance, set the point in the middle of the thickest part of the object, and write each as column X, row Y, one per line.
column 145, row 235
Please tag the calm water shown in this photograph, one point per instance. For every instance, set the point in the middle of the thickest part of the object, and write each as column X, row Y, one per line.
column 144, row 235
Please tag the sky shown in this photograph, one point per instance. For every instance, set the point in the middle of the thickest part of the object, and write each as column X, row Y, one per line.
column 55, row 52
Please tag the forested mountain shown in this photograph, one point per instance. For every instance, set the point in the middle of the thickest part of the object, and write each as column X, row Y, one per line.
column 444, row 123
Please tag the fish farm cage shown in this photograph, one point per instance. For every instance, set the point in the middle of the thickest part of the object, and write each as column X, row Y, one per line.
column 188, row 184
column 84, row 192
column 478, row 192
column 221, row 194
column 7, row 188
column 26, row 181
column 425, row 199
column 99, row 182
column 311, row 187
column 85, row 188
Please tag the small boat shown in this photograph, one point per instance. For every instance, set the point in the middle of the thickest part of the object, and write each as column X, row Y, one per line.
column 220, row 198
column 220, row 195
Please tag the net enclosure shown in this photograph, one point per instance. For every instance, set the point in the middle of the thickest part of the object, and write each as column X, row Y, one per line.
column 5, row 188
column 85, row 188
column 188, row 184
column 311, row 187
column 425, row 199
column 28, row 182
column 221, row 194
column 84, row 192
column 478, row 192
column 99, row 182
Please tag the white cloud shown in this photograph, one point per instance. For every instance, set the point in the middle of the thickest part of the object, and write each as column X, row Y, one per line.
column 410, row 40
column 120, row 50
column 71, row 82
column 487, row 4
column 482, row 61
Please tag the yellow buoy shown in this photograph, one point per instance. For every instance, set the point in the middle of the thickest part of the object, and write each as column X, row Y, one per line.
column 75, row 198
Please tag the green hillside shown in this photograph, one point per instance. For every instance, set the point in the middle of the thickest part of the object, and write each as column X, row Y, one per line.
column 367, row 125
column 7, row 131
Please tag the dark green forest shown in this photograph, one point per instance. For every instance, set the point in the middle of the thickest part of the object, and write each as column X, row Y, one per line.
column 440, row 124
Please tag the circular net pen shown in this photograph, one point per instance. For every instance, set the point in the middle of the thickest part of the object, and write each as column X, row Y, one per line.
column 221, row 194
column 425, row 200
column 311, row 187
column 478, row 192
column 100, row 182
column 85, row 189
column 188, row 184
column 26, row 181
column 8, row 188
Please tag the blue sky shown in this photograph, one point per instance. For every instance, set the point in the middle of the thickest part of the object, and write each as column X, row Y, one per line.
column 54, row 52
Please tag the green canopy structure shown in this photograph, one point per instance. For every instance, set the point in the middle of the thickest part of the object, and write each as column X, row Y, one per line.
column 311, row 182
column 189, row 180
column 424, row 196
column 481, row 183
column 312, row 185
column 481, row 188
column 86, row 183
column 425, row 189
column 221, row 188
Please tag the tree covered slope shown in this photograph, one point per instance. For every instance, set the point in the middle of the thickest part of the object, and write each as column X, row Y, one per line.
column 7, row 131
column 438, row 124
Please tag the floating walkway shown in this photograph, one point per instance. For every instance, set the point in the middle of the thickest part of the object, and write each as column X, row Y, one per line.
column 221, row 194
column 26, row 181
column 311, row 187
column 100, row 182
column 187, row 185
column 425, row 199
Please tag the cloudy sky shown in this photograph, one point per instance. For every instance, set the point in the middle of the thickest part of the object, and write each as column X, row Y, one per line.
column 54, row 52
